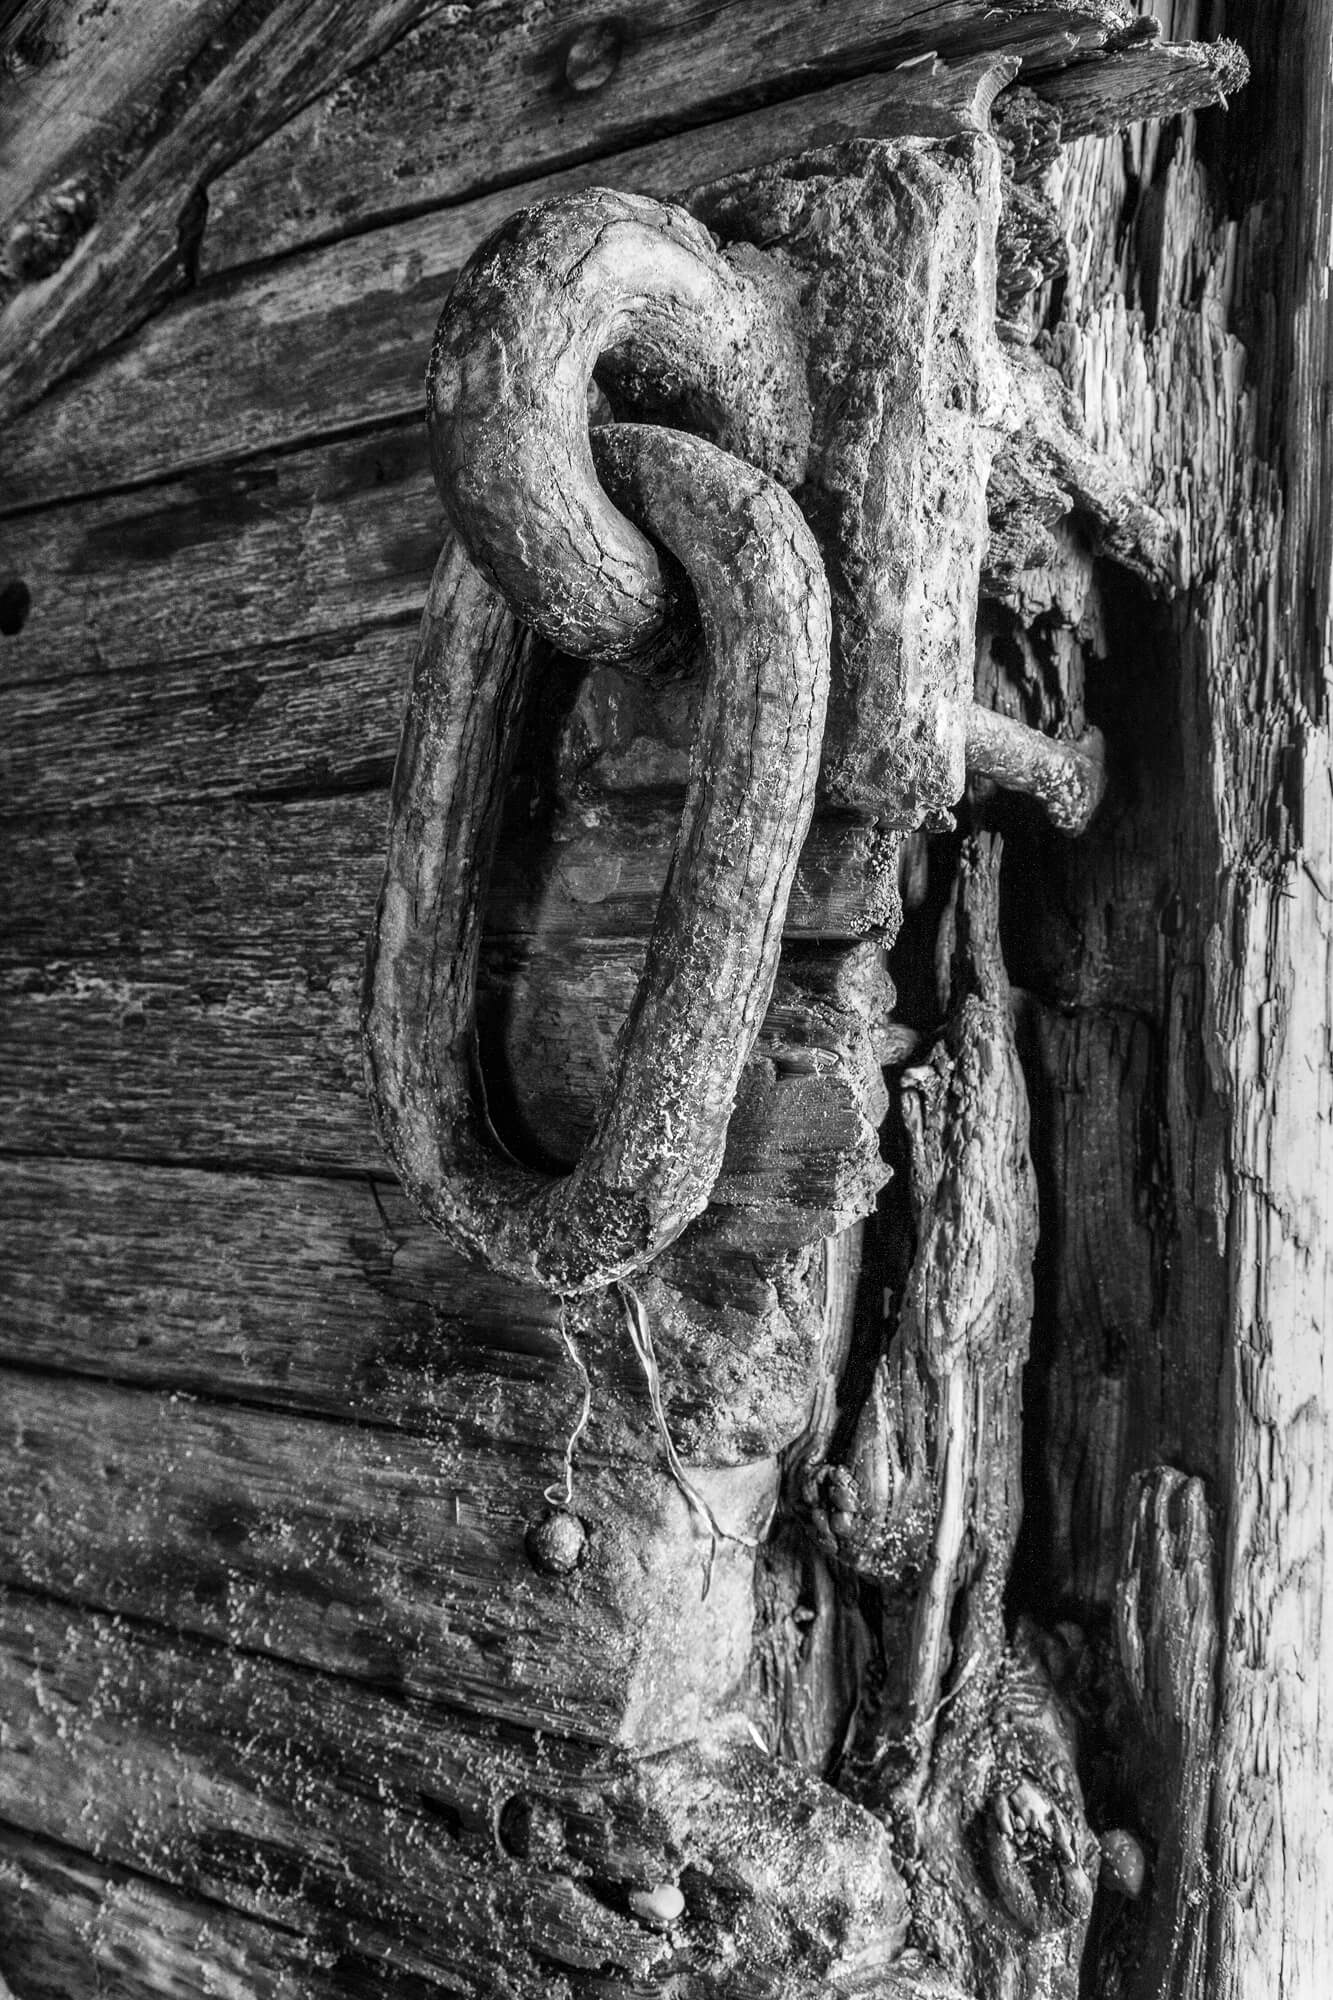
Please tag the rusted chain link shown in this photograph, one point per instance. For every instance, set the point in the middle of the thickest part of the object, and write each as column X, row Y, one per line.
column 657, row 1146
column 637, row 284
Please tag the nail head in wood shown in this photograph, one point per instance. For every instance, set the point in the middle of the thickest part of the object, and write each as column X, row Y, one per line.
column 556, row 1542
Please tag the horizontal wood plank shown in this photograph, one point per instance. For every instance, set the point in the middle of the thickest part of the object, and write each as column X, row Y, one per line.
column 357, row 1821
column 386, row 1557
column 331, row 1297
column 468, row 103
column 384, row 1829
column 299, row 546
column 328, row 1296
column 186, row 986
column 316, row 714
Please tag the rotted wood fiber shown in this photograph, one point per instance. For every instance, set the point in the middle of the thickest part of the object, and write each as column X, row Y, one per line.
column 957, row 1729
column 1167, row 1638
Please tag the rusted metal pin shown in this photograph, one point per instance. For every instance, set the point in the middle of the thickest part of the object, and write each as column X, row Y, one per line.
column 1067, row 778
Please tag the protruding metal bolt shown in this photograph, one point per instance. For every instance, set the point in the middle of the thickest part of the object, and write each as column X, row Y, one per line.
column 1067, row 778
column 556, row 1542
column 593, row 57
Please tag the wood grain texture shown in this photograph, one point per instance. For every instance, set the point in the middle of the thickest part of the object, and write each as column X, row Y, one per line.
column 236, row 1023
column 428, row 1832
column 140, row 247
column 334, row 539
column 331, row 1297
column 331, row 337
column 409, row 1866
column 70, row 1925
column 381, row 1558
column 325, row 1296
column 492, row 95
column 1166, row 1623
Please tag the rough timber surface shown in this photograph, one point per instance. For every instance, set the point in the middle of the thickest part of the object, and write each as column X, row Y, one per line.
column 113, row 225
column 1205, row 379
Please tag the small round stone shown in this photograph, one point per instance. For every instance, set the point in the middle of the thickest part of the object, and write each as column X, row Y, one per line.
column 556, row 1542
column 593, row 57
column 660, row 1906
column 1123, row 1862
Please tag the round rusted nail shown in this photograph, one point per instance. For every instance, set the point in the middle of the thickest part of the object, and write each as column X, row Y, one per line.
column 555, row 1543
column 1123, row 1863
column 593, row 57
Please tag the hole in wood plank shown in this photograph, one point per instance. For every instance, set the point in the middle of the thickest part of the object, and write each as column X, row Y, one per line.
column 15, row 604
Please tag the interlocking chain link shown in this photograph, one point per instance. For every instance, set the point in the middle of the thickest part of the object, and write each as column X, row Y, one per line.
column 563, row 538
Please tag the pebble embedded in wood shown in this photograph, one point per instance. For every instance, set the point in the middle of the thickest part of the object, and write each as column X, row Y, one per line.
column 1123, row 1864
column 660, row 1906
column 556, row 1543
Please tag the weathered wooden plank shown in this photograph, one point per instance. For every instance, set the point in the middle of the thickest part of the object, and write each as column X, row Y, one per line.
column 70, row 1926
column 339, row 336
column 332, row 1297
column 1146, row 80
column 220, row 954
column 317, row 714
column 358, row 1822
column 335, row 336
column 1167, row 1634
column 472, row 1860
column 466, row 103
column 315, row 1294
column 81, row 91
column 389, row 1558
column 335, row 539
column 1114, row 1283
column 1155, row 351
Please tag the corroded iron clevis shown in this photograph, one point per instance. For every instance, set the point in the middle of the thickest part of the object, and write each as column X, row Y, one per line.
column 843, row 348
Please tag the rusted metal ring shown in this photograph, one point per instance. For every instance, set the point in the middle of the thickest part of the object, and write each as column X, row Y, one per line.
column 660, row 1131
column 708, row 339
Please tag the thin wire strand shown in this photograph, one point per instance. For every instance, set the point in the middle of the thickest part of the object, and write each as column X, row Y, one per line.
column 641, row 1334
column 553, row 1493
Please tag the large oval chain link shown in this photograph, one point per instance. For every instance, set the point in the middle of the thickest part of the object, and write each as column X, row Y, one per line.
column 516, row 467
